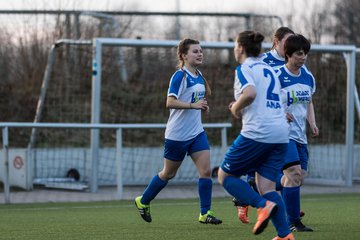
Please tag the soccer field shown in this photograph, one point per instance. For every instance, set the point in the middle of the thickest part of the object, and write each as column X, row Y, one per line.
column 331, row 216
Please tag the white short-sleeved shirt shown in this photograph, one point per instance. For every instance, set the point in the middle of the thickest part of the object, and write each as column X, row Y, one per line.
column 264, row 119
column 185, row 124
column 273, row 58
column 296, row 91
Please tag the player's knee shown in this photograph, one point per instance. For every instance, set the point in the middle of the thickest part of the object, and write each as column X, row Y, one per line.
column 205, row 173
column 221, row 176
column 170, row 176
column 293, row 177
column 297, row 180
column 167, row 175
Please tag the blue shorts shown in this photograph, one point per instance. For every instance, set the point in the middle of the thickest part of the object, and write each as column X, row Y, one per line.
column 297, row 154
column 176, row 150
column 246, row 155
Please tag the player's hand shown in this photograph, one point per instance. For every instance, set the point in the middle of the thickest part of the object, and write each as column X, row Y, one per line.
column 314, row 130
column 201, row 104
column 207, row 110
column 236, row 114
column 289, row 117
column 230, row 105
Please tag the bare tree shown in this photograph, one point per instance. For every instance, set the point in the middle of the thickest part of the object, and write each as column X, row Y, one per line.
column 347, row 22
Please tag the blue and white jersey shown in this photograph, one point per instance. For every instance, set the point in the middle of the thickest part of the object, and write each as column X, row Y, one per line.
column 273, row 59
column 185, row 124
column 296, row 91
column 264, row 119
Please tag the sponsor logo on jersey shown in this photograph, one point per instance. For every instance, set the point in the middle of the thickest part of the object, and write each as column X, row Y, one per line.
column 196, row 96
column 295, row 97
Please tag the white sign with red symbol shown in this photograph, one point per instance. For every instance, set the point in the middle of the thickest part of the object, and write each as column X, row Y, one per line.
column 18, row 162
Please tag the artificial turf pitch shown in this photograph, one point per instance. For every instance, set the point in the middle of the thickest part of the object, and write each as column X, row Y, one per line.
column 331, row 216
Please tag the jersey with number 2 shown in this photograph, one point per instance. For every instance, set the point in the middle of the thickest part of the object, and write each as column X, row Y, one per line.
column 264, row 119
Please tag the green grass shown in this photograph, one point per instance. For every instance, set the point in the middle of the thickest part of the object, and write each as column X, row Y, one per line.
column 331, row 216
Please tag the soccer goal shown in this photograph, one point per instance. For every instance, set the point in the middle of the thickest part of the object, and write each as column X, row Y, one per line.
column 332, row 154
column 83, row 84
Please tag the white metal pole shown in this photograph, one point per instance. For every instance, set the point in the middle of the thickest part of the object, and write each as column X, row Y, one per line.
column 356, row 95
column 177, row 23
column 223, row 141
column 119, row 150
column 350, row 60
column 6, row 164
column 95, row 113
column 357, row 102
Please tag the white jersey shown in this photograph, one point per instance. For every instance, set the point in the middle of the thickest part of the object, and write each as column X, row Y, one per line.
column 264, row 119
column 273, row 58
column 185, row 124
column 297, row 90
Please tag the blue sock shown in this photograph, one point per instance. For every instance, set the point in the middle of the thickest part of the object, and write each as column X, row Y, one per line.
column 251, row 180
column 291, row 197
column 242, row 191
column 205, row 191
column 279, row 187
column 279, row 217
column 154, row 187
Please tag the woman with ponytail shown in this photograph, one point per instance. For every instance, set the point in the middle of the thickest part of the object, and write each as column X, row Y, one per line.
column 184, row 134
column 262, row 143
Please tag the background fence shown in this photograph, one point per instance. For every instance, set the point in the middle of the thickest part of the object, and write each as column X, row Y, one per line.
column 106, row 166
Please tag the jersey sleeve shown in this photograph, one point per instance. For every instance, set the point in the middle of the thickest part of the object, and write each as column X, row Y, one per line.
column 312, row 80
column 242, row 80
column 176, row 84
column 314, row 84
column 244, row 77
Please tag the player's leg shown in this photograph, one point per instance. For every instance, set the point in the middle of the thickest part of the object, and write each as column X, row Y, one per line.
column 293, row 178
column 202, row 162
column 265, row 178
column 242, row 211
column 242, row 157
column 280, row 182
column 174, row 153
column 200, row 154
column 242, row 191
column 250, row 178
column 158, row 182
column 291, row 196
column 304, row 158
